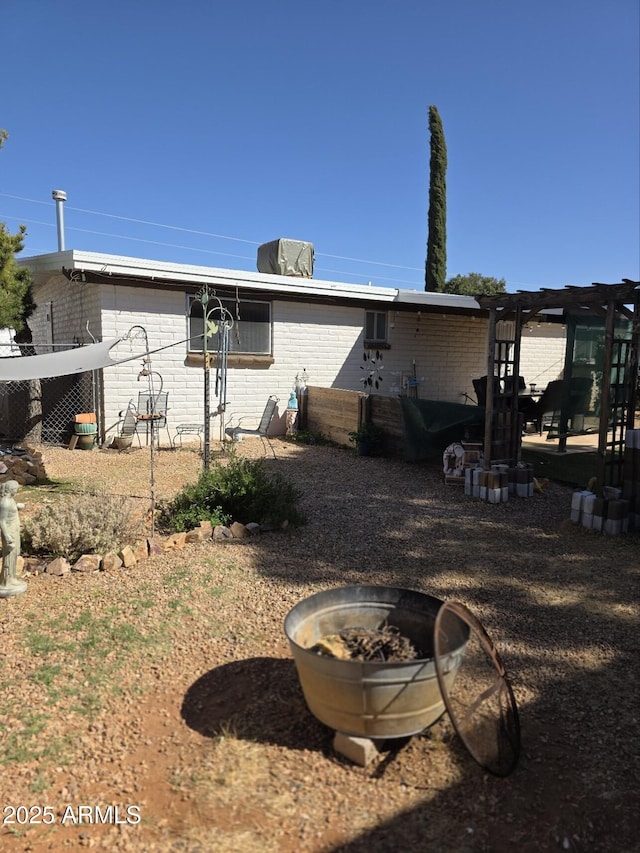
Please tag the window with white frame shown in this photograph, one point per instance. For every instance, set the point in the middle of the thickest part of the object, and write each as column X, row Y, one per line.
column 251, row 332
column 375, row 327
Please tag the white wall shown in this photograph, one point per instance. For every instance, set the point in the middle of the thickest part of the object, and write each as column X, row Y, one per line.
column 301, row 339
column 73, row 305
column 449, row 351
column 326, row 340
column 542, row 350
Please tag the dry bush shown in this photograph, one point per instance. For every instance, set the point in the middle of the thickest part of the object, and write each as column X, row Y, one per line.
column 82, row 524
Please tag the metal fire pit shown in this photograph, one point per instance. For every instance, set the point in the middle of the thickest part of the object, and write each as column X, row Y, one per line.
column 373, row 699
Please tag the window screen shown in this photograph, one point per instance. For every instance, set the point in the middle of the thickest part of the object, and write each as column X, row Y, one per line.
column 375, row 327
column 251, row 332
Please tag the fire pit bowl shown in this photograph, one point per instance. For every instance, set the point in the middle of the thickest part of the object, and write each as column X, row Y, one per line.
column 374, row 699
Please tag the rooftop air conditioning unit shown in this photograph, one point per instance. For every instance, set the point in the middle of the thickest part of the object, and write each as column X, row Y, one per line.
column 286, row 257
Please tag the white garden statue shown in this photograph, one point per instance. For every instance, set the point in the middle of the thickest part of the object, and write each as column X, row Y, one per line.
column 10, row 584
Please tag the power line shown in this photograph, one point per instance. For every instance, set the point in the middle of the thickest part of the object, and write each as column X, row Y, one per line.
column 200, row 233
column 202, row 251
column 226, row 237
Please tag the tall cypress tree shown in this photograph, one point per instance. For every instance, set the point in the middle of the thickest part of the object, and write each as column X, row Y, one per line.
column 436, row 265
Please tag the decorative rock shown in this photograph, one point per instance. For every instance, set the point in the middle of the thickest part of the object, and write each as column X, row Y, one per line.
column 239, row 531
column 34, row 566
column 22, row 464
column 111, row 562
column 141, row 551
column 154, row 548
column 58, row 567
column 176, row 540
column 207, row 529
column 253, row 528
column 194, row 535
column 222, row 532
column 127, row 556
column 18, row 466
column 87, row 563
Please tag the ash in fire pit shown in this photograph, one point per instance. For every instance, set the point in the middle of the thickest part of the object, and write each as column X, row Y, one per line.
column 367, row 644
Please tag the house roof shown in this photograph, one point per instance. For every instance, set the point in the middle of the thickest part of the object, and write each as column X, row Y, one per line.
column 97, row 267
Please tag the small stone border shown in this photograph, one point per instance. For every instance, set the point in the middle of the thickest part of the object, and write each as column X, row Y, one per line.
column 141, row 550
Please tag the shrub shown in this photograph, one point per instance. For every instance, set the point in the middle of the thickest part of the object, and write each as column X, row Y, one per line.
column 305, row 436
column 242, row 490
column 82, row 524
column 369, row 439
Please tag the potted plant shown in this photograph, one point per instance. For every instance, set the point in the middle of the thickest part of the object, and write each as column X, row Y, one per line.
column 368, row 439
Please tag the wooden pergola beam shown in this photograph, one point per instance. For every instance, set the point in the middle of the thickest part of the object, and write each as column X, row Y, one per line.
column 569, row 297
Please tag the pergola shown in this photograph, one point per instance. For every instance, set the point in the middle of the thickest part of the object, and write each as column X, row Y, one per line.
column 611, row 313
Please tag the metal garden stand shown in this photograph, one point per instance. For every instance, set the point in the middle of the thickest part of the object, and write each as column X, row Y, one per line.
column 216, row 319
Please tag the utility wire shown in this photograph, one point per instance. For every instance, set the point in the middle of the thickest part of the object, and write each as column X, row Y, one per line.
column 202, row 251
column 225, row 237
column 194, row 231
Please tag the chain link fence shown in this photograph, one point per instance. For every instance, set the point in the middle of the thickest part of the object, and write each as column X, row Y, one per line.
column 61, row 397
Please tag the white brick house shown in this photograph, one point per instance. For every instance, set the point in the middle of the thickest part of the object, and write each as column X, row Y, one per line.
column 287, row 325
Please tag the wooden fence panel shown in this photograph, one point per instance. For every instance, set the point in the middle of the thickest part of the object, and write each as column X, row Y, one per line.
column 333, row 412
column 386, row 413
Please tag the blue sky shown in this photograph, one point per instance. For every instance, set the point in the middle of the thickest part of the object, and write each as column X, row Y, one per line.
column 173, row 127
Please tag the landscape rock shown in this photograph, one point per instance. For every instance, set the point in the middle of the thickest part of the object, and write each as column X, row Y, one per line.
column 239, row 531
column 176, row 540
column 154, row 547
column 222, row 532
column 87, row 563
column 111, row 562
column 207, row 529
column 58, row 567
column 141, row 551
column 127, row 556
column 194, row 535
column 26, row 466
column 253, row 528
column 34, row 566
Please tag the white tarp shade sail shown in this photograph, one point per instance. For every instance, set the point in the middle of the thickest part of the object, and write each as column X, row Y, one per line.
column 79, row 360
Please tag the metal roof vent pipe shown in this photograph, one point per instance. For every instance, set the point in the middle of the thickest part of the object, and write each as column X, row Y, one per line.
column 60, row 196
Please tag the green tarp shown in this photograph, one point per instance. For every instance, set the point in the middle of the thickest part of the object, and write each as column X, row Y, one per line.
column 431, row 425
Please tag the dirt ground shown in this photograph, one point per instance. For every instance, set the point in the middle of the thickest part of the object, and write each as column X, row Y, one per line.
column 158, row 708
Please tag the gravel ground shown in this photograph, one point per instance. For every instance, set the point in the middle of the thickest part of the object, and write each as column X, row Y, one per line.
column 170, row 687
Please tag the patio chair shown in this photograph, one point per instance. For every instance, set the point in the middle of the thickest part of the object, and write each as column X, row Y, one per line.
column 126, row 427
column 152, row 414
column 262, row 430
column 480, row 387
column 550, row 403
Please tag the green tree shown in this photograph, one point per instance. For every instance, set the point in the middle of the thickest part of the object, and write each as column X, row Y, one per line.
column 16, row 302
column 16, row 305
column 475, row 284
column 436, row 264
